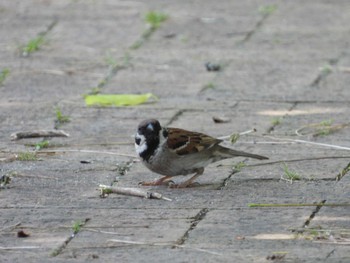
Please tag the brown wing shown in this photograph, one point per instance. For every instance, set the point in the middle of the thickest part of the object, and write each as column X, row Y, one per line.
column 185, row 142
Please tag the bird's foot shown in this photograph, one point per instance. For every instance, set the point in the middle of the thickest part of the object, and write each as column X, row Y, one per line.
column 184, row 185
column 162, row 181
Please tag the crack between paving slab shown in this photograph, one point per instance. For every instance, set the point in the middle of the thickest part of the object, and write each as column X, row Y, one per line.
column 273, row 126
column 326, row 71
column 257, row 26
column 312, row 216
column 225, row 181
column 343, row 173
column 330, row 253
column 59, row 250
column 175, row 117
column 197, row 218
column 178, row 114
column 43, row 34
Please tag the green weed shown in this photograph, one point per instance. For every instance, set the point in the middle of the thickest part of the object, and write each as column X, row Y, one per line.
column 267, row 9
column 27, row 156
column 42, row 145
column 33, row 45
column 276, row 121
column 290, row 175
column 324, row 128
column 77, row 226
column 3, row 75
column 60, row 118
column 238, row 166
column 155, row 19
column 209, row 85
column 326, row 69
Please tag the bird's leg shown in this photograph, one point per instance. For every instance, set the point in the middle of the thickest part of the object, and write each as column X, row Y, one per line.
column 189, row 182
column 161, row 181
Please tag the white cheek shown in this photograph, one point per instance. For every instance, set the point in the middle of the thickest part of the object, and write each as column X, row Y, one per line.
column 140, row 148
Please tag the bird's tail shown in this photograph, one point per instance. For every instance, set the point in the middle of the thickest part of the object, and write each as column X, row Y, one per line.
column 229, row 153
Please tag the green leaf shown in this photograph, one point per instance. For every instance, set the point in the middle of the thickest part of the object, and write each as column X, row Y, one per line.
column 118, row 99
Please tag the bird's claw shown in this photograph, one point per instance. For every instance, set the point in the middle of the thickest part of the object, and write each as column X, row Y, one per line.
column 184, row 185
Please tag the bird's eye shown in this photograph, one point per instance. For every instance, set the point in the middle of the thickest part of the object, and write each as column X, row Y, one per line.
column 137, row 141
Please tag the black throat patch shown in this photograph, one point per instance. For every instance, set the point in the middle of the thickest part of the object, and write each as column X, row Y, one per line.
column 152, row 145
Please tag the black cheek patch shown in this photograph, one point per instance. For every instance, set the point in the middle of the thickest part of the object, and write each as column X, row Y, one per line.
column 137, row 141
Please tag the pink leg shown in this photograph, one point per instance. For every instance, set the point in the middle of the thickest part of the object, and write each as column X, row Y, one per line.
column 161, row 181
column 189, row 182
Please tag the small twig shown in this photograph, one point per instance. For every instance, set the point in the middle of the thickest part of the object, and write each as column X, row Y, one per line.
column 131, row 192
column 292, row 161
column 344, row 69
column 298, row 205
column 103, row 232
column 18, row 248
column 318, row 127
column 240, row 134
column 38, row 133
column 91, row 151
column 313, row 143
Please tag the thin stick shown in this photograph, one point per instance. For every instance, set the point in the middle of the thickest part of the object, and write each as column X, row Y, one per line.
column 298, row 205
column 17, row 248
column 38, row 133
column 90, row 151
column 312, row 143
column 292, row 161
column 240, row 134
column 131, row 192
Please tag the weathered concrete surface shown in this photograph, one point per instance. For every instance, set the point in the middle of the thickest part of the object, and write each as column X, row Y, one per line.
column 285, row 72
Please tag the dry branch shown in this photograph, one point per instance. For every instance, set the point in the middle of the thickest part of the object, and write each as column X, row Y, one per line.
column 131, row 192
column 38, row 133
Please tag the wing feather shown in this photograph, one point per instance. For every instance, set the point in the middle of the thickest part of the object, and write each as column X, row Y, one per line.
column 186, row 142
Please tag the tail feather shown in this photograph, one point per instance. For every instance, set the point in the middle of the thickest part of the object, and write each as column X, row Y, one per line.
column 229, row 153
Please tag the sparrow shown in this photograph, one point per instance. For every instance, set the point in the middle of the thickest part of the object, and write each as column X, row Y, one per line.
column 172, row 152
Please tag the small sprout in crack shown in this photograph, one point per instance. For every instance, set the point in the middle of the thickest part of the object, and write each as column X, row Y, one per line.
column 325, row 128
column 209, row 85
column 3, row 75
column 290, row 175
column 155, row 19
column 276, row 121
column 60, row 118
column 238, row 166
column 33, row 45
column 77, row 226
column 326, row 122
column 315, row 234
column 94, row 91
column 326, row 69
column 110, row 61
column 27, row 156
column 42, row 145
column 267, row 9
